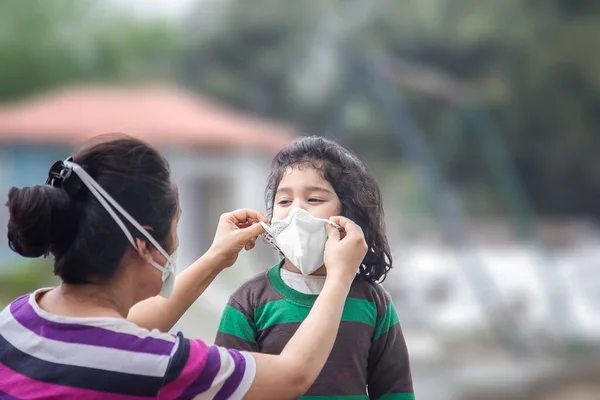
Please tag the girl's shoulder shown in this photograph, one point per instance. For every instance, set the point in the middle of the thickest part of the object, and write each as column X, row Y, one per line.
column 370, row 291
column 256, row 282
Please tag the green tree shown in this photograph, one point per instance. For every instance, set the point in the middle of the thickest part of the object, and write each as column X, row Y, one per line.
column 532, row 64
column 44, row 44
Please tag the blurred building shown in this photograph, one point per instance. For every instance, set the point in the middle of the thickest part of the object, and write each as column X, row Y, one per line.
column 219, row 157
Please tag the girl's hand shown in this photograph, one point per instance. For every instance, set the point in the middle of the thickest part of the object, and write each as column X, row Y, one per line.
column 236, row 230
column 344, row 251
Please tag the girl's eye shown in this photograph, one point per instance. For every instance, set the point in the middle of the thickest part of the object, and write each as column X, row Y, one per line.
column 313, row 200
column 283, row 202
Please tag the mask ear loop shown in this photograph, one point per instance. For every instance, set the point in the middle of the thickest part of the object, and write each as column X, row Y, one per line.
column 336, row 226
column 102, row 196
column 267, row 236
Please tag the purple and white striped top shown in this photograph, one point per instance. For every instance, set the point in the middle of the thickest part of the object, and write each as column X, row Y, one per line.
column 45, row 356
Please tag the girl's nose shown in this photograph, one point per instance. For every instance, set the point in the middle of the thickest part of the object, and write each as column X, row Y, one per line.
column 300, row 204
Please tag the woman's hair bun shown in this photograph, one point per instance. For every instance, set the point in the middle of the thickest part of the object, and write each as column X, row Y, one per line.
column 41, row 218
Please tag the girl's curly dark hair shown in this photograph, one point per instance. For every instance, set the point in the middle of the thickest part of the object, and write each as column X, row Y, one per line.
column 356, row 188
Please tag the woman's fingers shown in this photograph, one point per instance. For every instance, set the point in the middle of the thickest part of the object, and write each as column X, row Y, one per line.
column 249, row 233
column 245, row 215
column 250, row 244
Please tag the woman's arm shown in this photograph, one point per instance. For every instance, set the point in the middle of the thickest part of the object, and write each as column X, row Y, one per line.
column 236, row 230
column 208, row 372
column 162, row 314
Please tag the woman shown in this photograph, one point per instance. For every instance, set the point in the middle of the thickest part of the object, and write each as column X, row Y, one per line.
column 109, row 215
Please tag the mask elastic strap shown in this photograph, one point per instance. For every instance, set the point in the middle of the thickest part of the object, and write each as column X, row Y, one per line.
column 264, row 225
column 104, row 198
column 267, row 236
column 330, row 223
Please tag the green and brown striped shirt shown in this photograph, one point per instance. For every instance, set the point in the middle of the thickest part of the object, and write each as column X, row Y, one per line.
column 369, row 359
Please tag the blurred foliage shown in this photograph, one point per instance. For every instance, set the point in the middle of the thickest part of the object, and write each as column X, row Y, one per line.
column 25, row 277
column 533, row 65
column 44, row 44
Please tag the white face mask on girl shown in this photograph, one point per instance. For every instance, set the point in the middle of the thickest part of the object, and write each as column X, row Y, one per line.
column 301, row 238
column 169, row 269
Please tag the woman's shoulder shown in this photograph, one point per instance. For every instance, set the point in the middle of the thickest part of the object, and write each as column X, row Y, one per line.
column 96, row 353
column 103, row 332
column 92, row 353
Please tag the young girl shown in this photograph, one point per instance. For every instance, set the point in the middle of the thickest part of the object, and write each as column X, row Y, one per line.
column 312, row 180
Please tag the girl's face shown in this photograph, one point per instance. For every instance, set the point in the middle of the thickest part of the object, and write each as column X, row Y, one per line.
column 304, row 187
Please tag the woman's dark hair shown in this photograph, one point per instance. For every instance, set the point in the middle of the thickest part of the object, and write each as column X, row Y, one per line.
column 355, row 186
column 68, row 222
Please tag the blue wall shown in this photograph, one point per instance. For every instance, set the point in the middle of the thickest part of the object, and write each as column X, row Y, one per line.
column 23, row 165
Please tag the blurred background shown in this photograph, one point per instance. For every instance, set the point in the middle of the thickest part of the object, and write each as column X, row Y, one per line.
column 479, row 118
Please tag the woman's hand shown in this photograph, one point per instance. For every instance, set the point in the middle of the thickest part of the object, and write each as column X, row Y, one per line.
column 236, row 230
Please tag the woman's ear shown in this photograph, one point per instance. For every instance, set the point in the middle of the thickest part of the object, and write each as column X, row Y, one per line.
column 142, row 249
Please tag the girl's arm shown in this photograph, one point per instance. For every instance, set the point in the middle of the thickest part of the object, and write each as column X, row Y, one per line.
column 236, row 331
column 389, row 375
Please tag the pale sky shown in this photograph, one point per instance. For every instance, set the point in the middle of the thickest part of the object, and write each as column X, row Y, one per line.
column 167, row 8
